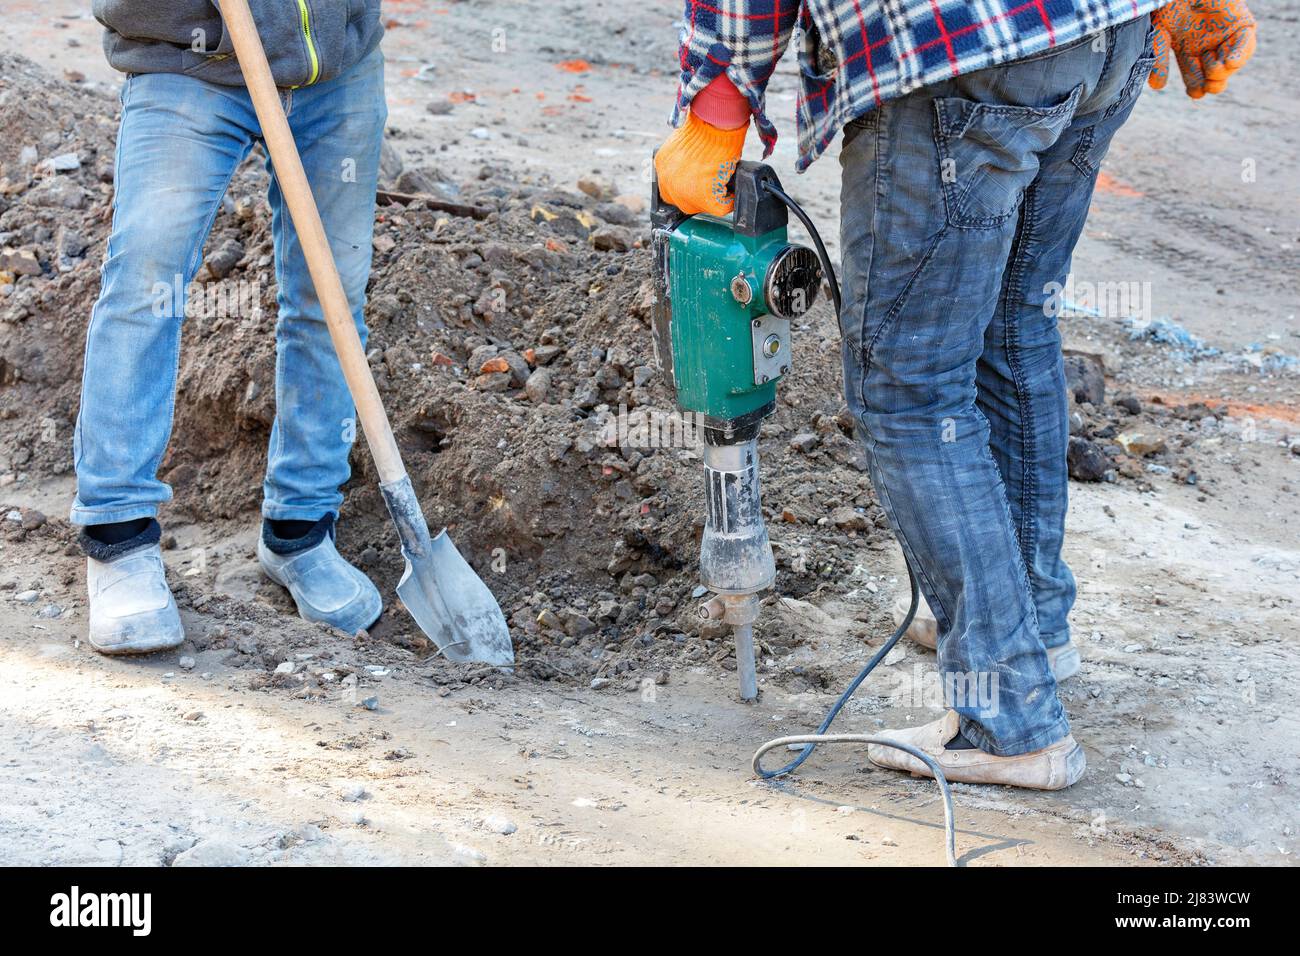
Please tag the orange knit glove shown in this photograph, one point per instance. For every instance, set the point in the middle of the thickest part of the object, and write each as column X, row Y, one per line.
column 1212, row 39
column 696, row 163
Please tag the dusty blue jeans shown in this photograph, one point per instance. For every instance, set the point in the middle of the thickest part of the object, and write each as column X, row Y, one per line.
column 180, row 142
column 961, row 205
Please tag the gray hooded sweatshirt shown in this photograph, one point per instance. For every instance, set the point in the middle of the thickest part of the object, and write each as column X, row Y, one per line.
column 307, row 41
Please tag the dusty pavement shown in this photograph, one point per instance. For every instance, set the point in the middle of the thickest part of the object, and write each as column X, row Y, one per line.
column 619, row 738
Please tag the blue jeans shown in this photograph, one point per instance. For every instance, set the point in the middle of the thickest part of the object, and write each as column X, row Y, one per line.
column 961, row 204
column 180, row 142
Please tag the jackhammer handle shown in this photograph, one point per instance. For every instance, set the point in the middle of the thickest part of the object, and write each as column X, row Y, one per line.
column 298, row 197
column 663, row 214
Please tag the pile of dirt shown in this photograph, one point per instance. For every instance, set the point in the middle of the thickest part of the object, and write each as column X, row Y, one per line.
column 508, row 350
column 508, row 345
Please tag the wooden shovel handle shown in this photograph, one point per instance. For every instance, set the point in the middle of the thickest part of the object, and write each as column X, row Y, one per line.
column 311, row 234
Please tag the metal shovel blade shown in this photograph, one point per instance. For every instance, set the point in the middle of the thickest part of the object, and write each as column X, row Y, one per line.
column 449, row 602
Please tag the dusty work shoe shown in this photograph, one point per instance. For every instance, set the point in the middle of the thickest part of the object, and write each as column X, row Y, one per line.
column 1064, row 660
column 924, row 630
column 132, row 610
column 325, row 587
column 1053, row 768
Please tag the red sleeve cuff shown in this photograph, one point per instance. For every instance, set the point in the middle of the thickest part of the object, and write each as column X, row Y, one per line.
column 721, row 105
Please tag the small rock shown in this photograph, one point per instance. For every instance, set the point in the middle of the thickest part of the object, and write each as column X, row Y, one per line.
column 50, row 612
column 353, row 793
column 499, row 824
column 21, row 262
column 214, row 853
column 27, row 597
column 546, row 354
column 186, row 663
column 306, row 833
column 286, row 667
column 370, row 703
column 848, row 519
column 73, row 245
column 1085, row 378
column 805, row 442
column 600, row 683
column 1140, row 444
column 1086, row 461
column 224, row 259
column 611, row 239
column 587, row 394
column 597, row 187
column 633, row 201
column 616, row 214
column 57, row 191
column 578, row 625
column 517, row 366
column 64, row 163
column 468, row 853
column 1129, row 403
column 481, row 356
column 493, row 381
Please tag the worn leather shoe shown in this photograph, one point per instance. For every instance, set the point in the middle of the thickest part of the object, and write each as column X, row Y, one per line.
column 325, row 587
column 132, row 610
column 1053, row 768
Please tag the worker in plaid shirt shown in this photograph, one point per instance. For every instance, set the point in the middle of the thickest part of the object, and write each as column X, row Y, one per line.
column 973, row 134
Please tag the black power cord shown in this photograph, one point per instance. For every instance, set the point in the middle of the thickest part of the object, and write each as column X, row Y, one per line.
column 810, row 741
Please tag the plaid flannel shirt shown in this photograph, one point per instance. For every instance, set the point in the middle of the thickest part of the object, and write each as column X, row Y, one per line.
column 856, row 54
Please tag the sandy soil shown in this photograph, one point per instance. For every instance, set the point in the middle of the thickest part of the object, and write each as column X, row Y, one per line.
column 1186, row 619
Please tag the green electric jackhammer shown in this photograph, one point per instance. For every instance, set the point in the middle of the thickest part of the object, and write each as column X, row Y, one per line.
column 726, row 290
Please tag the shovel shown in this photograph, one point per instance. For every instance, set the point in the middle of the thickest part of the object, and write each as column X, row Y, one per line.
column 449, row 602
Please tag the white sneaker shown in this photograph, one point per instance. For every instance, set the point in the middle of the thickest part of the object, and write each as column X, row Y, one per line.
column 924, row 630
column 325, row 587
column 132, row 610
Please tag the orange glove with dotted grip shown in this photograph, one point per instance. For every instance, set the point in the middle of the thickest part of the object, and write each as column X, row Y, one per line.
column 1211, row 39
column 696, row 163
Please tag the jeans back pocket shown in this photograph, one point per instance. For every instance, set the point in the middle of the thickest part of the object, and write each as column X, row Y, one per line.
column 988, row 154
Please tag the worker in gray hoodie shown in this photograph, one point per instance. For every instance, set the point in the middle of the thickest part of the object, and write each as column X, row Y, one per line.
column 187, row 124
